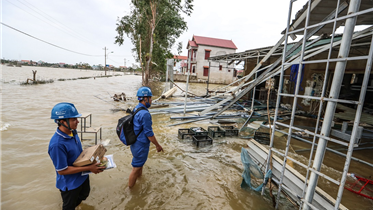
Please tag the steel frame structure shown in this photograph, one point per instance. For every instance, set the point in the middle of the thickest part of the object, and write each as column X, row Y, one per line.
column 349, row 14
column 313, row 171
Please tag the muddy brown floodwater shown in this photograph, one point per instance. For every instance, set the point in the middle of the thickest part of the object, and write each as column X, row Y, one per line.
column 181, row 177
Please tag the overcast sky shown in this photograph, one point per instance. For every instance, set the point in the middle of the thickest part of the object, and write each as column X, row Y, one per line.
column 87, row 26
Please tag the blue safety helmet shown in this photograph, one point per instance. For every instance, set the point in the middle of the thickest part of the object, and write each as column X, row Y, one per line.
column 144, row 92
column 64, row 110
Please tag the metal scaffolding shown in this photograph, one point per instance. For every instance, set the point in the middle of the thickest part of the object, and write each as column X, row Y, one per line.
column 317, row 18
column 331, row 100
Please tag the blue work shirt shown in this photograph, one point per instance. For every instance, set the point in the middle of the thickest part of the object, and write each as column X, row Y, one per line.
column 143, row 119
column 64, row 150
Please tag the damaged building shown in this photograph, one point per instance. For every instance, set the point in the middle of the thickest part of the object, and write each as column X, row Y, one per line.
column 326, row 75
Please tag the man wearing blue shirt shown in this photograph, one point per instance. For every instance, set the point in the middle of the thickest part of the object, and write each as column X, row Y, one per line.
column 142, row 122
column 64, row 149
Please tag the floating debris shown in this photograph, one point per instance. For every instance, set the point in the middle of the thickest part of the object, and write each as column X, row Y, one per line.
column 120, row 97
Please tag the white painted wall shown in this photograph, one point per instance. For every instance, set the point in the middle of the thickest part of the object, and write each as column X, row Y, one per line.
column 216, row 76
column 179, row 64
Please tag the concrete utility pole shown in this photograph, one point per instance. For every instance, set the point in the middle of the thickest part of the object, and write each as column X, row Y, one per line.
column 187, row 82
column 105, row 60
column 169, row 72
column 105, row 57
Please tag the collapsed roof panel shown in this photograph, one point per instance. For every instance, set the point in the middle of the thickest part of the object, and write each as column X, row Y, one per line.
column 322, row 8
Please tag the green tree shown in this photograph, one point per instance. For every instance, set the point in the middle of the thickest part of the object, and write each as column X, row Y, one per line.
column 153, row 26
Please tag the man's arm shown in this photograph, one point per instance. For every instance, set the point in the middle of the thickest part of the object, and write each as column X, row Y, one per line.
column 146, row 122
column 94, row 168
column 155, row 142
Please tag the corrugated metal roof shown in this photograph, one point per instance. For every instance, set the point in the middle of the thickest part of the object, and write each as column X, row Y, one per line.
column 325, row 7
column 316, row 44
column 200, row 40
column 254, row 53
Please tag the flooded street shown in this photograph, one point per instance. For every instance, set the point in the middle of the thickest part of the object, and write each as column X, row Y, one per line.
column 182, row 177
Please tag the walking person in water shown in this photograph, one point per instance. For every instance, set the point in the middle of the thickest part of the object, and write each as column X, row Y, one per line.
column 142, row 122
column 64, row 149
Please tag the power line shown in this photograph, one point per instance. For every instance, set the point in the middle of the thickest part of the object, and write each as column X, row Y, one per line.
column 43, row 16
column 121, row 55
column 53, row 19
column 40, row 18
column 114, row 61
column 55, row 23
column 48, row 42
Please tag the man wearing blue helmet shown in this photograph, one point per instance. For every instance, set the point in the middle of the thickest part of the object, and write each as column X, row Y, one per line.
column 142, row 123
column 64, row 149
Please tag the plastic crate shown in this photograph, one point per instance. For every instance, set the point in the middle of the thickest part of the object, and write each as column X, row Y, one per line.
column 216, row 131
column 262, row 138
column 230, row 130
column 201, row 141
column 199, row 131
column 185, row 133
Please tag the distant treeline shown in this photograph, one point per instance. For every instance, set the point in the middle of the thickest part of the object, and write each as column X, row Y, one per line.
column 46, row 81
column 62, row 65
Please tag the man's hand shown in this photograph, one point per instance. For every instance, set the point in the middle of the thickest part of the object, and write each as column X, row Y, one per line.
column 159, row 148
column 94, row 168
column 155, row 142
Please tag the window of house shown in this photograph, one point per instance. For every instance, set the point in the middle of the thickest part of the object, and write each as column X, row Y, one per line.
column 207, row 54
column 194, row 54
column 205, row 71
column 220, row 67
column 194, row 69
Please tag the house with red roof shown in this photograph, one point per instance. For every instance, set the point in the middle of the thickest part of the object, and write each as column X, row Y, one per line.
column 181, row 63
column 200, row 49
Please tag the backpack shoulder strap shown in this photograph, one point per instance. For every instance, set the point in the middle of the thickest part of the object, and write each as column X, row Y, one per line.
column 134, row 113
column 137, row 110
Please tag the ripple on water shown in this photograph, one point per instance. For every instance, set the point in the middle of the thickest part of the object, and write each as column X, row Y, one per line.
column 4, row 126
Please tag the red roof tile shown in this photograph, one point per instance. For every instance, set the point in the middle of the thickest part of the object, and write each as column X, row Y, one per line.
column 180, row 57
column 192, row 44
column 200, row 40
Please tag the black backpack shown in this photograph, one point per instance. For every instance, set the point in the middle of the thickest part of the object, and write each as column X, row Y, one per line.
column 126, row 123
